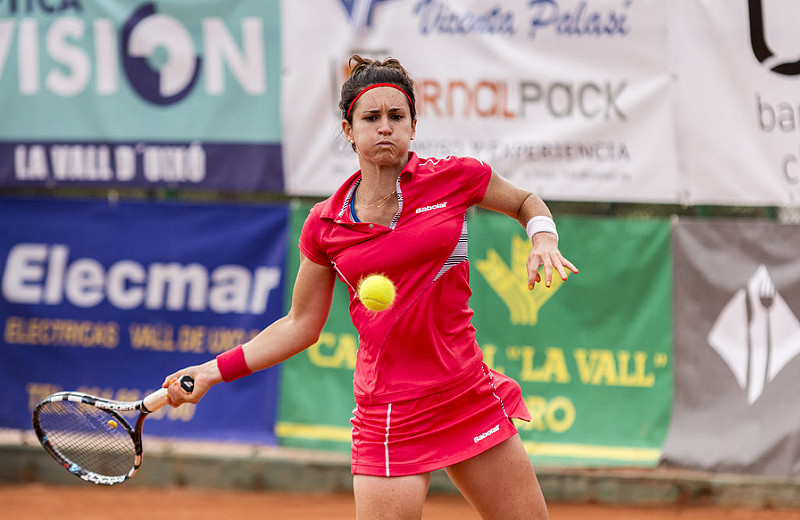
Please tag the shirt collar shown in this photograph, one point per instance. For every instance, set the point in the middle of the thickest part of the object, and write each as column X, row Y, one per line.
column 337, row 204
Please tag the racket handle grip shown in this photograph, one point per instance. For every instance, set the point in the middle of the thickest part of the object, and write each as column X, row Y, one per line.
column 158, row 399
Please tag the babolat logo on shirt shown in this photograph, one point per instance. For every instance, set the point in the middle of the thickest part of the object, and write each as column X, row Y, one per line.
column 433, row 206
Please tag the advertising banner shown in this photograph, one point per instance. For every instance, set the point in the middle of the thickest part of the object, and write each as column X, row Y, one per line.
column 569, row 98
column 737, row 101
column 111, row 298
column 141, row 94
column 593, row 355
column 737, row 348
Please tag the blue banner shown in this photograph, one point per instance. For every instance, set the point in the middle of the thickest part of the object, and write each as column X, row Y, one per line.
column 109, row 298
column 204, row 165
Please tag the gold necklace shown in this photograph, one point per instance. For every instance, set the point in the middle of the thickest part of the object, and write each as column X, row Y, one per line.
column 377, row 204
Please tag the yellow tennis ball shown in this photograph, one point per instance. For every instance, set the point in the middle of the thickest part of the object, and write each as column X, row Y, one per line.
column 112, row 424
column 376, row 292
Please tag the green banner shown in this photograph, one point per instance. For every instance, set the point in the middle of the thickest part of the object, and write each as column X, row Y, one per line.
column 593, row 355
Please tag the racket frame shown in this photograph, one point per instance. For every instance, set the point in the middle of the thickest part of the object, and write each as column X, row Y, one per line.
column 146, row 406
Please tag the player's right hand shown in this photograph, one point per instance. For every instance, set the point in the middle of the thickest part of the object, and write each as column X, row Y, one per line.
column 205, row 376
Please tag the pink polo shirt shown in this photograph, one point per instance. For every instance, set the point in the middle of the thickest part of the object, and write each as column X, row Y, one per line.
column 425, row 342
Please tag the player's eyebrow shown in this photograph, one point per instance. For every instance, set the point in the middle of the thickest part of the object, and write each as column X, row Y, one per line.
column 391, row 109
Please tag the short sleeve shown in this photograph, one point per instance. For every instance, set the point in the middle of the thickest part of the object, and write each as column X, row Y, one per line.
column 476, row 177
column 309, row 243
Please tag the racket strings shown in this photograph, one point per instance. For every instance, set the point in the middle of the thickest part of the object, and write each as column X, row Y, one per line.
column 88, row 437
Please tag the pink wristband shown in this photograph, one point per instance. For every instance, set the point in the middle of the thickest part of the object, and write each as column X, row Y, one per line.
column 232, row 365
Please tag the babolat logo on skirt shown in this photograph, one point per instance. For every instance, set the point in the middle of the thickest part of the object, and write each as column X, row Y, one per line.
column 482, row 436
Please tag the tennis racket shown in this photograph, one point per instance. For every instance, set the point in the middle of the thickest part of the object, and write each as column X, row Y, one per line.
column 89, row 436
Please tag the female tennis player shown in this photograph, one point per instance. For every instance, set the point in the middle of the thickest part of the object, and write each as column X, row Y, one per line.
column 424, row 398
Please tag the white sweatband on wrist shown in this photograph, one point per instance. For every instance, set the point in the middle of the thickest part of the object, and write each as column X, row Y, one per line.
column 541, row 224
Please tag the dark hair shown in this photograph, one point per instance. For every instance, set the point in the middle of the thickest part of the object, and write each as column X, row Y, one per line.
column 368, row 72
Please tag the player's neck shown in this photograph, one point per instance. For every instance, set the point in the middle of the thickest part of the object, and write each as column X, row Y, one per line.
column 377, row 177
column 376, row 184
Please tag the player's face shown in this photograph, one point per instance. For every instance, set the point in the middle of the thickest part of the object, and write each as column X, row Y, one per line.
column 382, row 126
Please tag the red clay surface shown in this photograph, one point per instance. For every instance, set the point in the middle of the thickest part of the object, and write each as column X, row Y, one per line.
column 86, row 502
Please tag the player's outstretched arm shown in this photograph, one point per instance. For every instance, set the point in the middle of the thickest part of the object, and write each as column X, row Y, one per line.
column 300, row 328
column 504, row 197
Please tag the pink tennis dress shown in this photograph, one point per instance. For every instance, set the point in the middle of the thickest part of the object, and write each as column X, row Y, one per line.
column 424, row 398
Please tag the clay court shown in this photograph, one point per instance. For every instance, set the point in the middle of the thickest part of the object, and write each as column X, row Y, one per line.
column 194, row 481
column 87, row 502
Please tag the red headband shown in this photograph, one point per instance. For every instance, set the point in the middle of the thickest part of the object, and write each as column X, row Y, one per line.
column 365, row 89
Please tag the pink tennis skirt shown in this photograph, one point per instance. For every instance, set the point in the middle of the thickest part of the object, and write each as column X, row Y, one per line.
column 436, row 431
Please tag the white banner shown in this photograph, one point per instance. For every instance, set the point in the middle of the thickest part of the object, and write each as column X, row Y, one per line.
column 569, row 98
column 738, row 109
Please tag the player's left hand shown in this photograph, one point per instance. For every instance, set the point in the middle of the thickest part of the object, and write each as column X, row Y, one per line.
column 545, row 254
